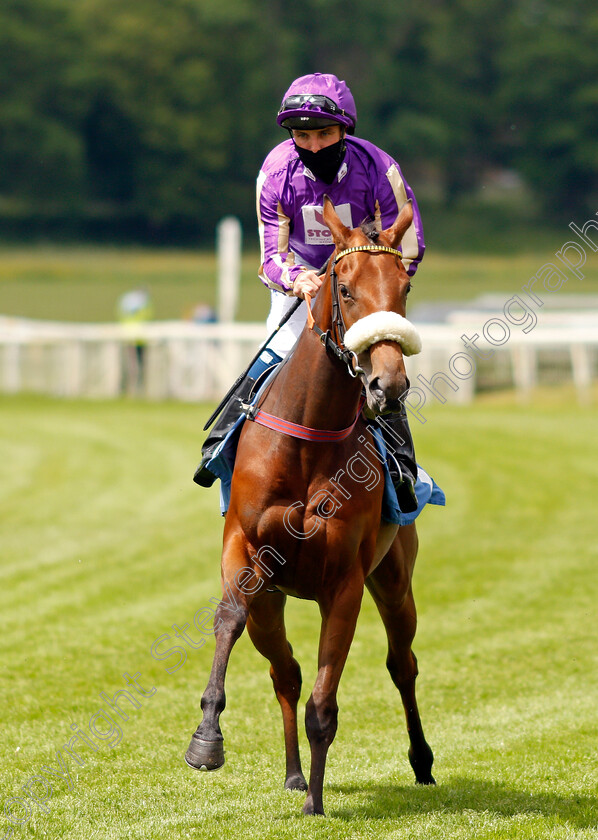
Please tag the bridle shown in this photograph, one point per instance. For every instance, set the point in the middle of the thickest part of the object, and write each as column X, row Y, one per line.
column 335, row 344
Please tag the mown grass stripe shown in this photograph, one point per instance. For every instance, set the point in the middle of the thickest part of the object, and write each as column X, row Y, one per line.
column 111, row 543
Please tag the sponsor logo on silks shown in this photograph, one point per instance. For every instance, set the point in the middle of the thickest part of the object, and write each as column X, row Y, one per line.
column 316, row 232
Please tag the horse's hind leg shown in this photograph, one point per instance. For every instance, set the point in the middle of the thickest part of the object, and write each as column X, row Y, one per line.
column 206, row 750
column 267, row 632
column 390, row 586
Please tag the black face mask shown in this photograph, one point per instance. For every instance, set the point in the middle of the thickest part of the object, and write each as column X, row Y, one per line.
column 325, row 163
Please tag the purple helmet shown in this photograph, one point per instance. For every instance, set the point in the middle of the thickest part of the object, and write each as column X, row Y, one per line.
column 317, row 100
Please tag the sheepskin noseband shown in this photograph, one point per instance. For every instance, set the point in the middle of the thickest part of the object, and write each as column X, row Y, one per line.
column 383, row 326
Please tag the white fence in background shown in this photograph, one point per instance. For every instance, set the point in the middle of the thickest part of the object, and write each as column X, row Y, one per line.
column 180, row 360
column 194, row 362
column 554, row 352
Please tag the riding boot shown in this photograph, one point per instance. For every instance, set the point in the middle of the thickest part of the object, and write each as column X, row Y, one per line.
column 231, row 413
column 400, row 457
column 203, row 476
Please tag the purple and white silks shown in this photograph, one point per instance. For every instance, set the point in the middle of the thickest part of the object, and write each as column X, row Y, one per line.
column 293, row 236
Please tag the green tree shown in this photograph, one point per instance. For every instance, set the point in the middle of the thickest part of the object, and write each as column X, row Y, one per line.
column 549, row 63
column 170, row 88
column 424, row 76
column 41, row 150
column 158, row 115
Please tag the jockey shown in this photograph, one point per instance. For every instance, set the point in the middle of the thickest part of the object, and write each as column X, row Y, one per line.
column 321, row 157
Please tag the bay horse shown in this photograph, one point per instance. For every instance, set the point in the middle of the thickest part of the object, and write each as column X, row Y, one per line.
column 304, row 517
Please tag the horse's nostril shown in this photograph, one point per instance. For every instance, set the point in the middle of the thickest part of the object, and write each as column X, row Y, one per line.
column 375, row 389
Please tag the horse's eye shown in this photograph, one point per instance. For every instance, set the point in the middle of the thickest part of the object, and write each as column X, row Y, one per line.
column 346, row 294
column 408, row 288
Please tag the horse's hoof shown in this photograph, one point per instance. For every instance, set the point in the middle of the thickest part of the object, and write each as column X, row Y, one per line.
column 296, row 782
column 309, row 810
column 205, row 755
column 421, row 763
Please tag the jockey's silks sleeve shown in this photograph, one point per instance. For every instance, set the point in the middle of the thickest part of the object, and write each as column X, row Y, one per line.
column 293, row 235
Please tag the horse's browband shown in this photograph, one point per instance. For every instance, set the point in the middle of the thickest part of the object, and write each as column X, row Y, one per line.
column 384, row 248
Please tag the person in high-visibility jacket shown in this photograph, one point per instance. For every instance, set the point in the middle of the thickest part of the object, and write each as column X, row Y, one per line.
column 134, row 311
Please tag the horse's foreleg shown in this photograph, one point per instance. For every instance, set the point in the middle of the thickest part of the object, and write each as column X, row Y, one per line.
column 206, row 750
column 390, row 586
column 321, row 712
column 267, row 632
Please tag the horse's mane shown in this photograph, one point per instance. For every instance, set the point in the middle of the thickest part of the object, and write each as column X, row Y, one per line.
column 368, row 226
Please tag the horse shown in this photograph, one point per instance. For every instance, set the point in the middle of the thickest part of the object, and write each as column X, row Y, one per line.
column 304, row 517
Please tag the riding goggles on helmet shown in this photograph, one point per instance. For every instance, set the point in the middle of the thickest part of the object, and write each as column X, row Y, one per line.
column 322, row 103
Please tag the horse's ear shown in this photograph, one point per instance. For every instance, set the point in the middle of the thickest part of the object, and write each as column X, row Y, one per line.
column 402, row 223
column 340, row 232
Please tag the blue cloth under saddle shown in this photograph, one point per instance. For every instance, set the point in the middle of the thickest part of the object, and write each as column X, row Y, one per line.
column 426, row 489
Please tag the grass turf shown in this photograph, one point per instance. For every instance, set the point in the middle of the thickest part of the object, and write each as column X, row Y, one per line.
column 106, row 544
column 84, row 284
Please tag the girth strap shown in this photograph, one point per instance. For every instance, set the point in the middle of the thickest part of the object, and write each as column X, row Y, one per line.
column 286, row 427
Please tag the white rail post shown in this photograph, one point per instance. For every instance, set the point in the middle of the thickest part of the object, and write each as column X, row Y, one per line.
column 228, row 243
column 12, row 364
column 524, row 359
column 229, row 275
column 582, row 372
